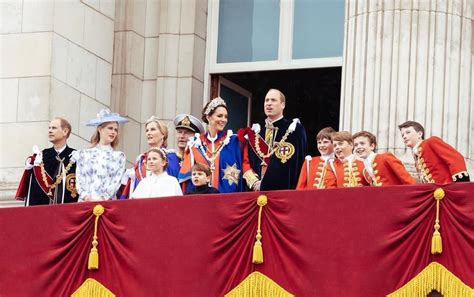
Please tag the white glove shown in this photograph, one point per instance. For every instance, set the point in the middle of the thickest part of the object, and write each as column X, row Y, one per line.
column 256, row 186
column 39, row 156
column 128, row 174
column 28, row 164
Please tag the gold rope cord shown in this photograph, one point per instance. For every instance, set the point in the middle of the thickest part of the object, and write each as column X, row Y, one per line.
column 257, row 257
column 436, row 242
column 94, row 254
column 258, row 284
column 434, row 277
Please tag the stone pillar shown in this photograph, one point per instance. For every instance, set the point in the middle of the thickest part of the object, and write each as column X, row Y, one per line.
column 158, row 63
column 56, row 60
column 409, row 60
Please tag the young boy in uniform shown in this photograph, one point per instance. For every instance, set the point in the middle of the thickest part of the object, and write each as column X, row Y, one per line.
column 380, row 169
column 348, row 171
column 435, row 160
column 314, row 169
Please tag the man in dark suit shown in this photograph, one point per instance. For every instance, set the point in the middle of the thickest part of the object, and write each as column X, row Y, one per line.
column 49, row 176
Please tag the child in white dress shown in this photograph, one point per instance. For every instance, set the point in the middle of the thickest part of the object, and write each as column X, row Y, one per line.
column 158, row 183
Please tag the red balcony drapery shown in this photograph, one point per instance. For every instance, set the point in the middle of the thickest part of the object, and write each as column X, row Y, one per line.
column 341, row 242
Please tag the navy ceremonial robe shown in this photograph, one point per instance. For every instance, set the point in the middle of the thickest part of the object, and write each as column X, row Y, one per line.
column 33, row 181
column 280, row 174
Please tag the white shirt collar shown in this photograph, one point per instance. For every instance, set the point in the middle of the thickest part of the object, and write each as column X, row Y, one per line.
column 368, row 163
column 415, row 148
column 349, row 158
column 325, row 158
column 61, row 149
column 107, row 147
column 211, row 139
column 270, row 122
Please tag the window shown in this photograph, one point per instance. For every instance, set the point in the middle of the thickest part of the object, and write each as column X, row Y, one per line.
column 318, row 29
column 259, row 35
column 248, row 30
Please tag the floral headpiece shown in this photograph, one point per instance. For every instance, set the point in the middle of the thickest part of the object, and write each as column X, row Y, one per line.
column 218, row 101
column 161, row 150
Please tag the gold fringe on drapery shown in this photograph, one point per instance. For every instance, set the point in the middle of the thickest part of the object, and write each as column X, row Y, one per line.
column 257, row 257
column 436, row 242
column 92, row 288
column 94, row 253
column 434, row 277
column 258, row 284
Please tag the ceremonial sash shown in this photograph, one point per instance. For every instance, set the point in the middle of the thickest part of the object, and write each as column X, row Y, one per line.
column 39, row 179
column 264, row 148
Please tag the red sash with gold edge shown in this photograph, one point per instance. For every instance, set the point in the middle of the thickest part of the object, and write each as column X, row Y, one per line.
column 261, row 142
column 39, row 179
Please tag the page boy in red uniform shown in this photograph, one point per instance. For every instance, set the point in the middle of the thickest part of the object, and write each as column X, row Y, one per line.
column 314, row 169
column 380, row 169
column 435, row 160
column 348, row 171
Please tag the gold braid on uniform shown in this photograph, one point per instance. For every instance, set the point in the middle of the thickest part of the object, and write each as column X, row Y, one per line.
column 58, row 177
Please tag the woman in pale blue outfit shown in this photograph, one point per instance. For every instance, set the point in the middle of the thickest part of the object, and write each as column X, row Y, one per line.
column 100, row 168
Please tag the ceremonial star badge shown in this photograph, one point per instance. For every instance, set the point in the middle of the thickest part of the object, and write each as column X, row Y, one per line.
column 231, row 174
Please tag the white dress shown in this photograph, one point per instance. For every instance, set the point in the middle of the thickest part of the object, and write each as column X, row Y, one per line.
column 160, row 185
column 99, row 172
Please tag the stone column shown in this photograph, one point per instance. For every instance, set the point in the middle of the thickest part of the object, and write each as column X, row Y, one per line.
column 181, row 57
column 409, row 60
column 158, row 63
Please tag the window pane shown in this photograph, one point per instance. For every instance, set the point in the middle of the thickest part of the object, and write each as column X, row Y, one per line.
column 248, row 30
column 237, row 106
column 318, row 29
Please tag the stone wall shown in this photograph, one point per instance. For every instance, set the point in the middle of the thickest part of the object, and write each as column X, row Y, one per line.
column 70, row 58
column 409, row 60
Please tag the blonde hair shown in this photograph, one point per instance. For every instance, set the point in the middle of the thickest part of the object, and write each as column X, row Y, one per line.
column 161, row 126
column 95, row 139
column 342, row 136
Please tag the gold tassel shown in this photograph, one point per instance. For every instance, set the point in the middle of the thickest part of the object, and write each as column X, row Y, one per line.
column 258, row 284
column 94, row 253
column 257, row 257
column 436, row 242
column 434, row 277
column 91, row 287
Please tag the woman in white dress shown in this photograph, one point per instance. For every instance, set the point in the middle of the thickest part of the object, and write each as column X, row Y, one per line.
column 100, row 168
column 158, row 183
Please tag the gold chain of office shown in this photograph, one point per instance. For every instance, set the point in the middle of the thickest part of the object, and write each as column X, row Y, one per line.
column 274, row 149
column 58, row 177
column 213, row 155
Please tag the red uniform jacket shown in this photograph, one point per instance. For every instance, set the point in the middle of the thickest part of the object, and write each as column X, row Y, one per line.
column 438, row 162
column 317, row 172
column 388, row 170
column 346, row 175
